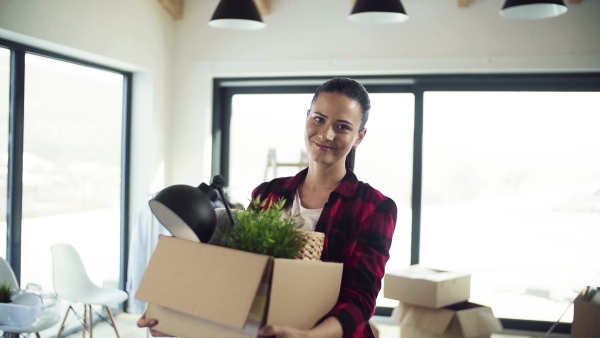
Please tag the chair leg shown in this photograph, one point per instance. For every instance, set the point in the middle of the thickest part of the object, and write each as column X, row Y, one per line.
column 91, row 321
column 112, row 320
column 62, row 325
column 85, row 318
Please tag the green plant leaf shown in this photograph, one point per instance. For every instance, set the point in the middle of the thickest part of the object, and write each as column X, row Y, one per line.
column 269, row 231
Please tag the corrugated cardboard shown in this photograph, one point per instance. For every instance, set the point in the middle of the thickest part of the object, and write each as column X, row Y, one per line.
column 586, row 318
column 201, row 290
column 431, row 288
column 463, row 320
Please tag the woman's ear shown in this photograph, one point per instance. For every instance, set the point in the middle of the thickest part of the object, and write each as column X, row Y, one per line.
column 361, row 136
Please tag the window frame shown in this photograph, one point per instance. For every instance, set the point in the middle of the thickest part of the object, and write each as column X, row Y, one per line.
column 225, row 88
column 15, row 135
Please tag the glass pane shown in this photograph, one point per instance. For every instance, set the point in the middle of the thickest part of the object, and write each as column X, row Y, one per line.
column 511, row 186
column 71, row 168
column 258, row 124
column 4, row 105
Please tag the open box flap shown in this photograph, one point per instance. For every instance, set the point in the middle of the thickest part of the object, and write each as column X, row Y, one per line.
column 302, row 291
column 477, row 320
column 190, row 277
column 478, row 323
column 432, row 320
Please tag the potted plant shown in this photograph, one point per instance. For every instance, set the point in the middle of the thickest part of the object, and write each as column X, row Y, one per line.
column 268, row 231
column 6, row 293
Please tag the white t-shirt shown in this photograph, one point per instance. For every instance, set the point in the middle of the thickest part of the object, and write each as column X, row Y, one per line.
column 307, row 217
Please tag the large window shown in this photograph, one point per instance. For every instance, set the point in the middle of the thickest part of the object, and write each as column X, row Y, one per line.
column 511, row 193
column 71, row 166
column 65, row 166
column 495, row 175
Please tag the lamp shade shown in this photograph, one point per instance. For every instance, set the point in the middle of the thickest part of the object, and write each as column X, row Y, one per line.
column 186, row 212
column 237, row 14
column 378, row 11
column 532, row 9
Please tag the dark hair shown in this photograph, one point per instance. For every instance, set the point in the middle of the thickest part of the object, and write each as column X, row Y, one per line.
column 354, row 91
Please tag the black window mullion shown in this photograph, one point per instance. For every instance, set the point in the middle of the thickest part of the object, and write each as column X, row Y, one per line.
column 15, row 159
column 417, row 178
column 125, row 179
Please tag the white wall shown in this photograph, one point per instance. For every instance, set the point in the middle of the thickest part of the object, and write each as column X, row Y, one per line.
column 132, row 35
column 313, row 37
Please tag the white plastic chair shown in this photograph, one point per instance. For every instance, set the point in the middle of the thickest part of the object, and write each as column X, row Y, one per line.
column 72, row 283
column 47, row 319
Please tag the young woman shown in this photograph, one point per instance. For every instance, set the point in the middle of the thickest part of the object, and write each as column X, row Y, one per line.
column 358, row 220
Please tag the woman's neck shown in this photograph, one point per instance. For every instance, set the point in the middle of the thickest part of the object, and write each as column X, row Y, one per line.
column 320, row 181
column 324, row 177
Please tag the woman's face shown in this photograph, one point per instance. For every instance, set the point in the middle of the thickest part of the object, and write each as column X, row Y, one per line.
column 332, row 128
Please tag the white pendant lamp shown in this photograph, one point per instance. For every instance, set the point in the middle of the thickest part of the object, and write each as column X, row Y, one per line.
column 378, row 11
column 532, row 9
column 237, row 14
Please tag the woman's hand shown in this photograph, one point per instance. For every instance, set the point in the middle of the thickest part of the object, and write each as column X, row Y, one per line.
column 329, row 328
column 149, row 323
column 278, row 331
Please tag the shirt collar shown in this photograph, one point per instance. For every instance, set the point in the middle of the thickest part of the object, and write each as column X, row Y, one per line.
column 346, row 188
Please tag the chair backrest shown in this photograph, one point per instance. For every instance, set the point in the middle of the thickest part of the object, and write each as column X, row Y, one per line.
column 71, row 281
column 7, row 275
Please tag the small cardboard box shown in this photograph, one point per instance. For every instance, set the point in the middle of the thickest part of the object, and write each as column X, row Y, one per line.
column 202, row 290
column 463, row 320
column 431, row 288
column 586, row 315
column 374, row 328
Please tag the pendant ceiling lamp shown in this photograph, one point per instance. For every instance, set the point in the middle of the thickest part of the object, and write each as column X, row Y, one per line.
column 532, row 9
column 378, row 11
column 237, row 14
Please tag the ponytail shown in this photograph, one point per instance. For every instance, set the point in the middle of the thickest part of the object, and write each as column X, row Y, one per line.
column 350, row 159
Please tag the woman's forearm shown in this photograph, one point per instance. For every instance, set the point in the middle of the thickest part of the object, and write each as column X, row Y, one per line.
column 329, row 328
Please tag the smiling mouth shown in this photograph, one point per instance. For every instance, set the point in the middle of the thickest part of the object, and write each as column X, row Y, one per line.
column 323, row 147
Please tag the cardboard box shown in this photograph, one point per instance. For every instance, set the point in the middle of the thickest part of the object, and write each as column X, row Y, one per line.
column 431, row 288
column 463, row 320
column 202, row 290
column 374, row 328
column 586, row 315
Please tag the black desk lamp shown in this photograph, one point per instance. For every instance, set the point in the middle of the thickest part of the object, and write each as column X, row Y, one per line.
column 188, row 212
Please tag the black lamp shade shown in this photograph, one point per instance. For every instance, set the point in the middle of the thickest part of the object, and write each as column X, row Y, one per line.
column 236, row 14
column 532, row 9
column 378, row 11
column 186, row 212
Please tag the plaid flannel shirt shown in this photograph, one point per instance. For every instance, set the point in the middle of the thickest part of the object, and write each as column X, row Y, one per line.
column 358, row 222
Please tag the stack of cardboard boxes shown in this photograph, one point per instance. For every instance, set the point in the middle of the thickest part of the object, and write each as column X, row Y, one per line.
column 434, row 304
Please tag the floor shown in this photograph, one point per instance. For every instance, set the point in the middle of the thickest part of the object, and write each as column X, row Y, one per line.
column 126, row 323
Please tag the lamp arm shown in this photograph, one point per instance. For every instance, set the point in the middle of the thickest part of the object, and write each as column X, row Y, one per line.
column 217, row 183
